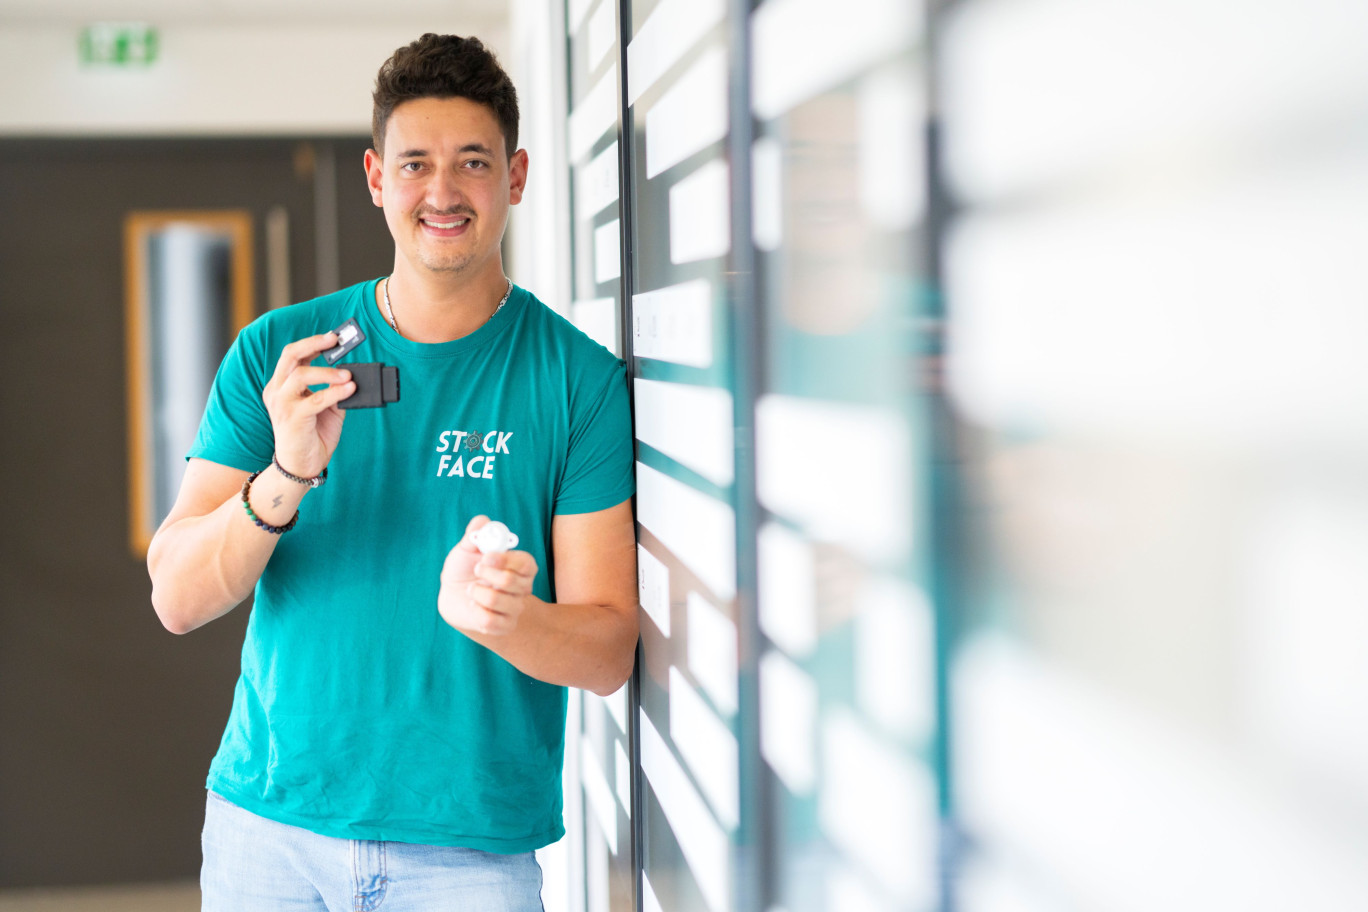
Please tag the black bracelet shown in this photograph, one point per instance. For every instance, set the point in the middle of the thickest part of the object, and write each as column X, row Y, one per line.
column 274, row 530
column 314, row 482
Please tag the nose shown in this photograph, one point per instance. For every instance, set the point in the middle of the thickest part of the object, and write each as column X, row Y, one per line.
column 444, row 191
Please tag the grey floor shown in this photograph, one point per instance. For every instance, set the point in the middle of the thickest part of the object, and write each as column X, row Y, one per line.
column 181, row 897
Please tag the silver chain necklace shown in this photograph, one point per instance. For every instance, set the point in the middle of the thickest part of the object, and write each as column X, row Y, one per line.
column 389, row 308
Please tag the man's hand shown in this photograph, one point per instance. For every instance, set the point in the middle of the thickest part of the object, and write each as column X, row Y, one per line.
column 307, row 425
column 484, row 593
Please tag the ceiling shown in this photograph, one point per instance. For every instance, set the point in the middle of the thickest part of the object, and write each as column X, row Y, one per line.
column 247, row 12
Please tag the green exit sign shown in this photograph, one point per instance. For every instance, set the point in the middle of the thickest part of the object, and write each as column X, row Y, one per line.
column 119, row 44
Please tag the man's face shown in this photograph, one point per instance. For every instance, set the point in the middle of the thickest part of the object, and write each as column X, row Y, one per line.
column 446, row 183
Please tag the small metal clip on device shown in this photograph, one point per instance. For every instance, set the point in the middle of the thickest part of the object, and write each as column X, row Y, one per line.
column 377, row 385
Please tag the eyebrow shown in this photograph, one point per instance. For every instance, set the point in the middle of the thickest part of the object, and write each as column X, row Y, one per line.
column 480, row 148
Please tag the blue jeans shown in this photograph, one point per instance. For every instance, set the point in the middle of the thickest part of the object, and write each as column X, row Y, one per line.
column 256, row 865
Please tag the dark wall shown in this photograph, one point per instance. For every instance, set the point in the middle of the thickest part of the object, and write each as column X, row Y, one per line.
column 108, row 722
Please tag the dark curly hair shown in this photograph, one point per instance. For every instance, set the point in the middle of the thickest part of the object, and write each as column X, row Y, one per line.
column 444, row 66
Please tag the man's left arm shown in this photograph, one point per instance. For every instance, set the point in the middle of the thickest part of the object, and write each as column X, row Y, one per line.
column 587, row 638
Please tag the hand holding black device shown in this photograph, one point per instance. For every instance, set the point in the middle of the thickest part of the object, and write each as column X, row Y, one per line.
column 377, row 385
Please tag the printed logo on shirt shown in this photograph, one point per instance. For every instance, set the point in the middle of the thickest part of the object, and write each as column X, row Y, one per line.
column 470, row 454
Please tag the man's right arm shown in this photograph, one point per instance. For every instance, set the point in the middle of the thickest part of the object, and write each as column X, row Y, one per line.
column 208, row 554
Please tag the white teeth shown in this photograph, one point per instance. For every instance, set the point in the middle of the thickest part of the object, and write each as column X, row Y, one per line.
column 448, row 224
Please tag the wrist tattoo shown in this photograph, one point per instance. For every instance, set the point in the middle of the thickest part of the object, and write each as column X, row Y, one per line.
column 278, row 499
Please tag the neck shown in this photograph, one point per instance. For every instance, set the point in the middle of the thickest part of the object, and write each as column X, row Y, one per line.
column 439, row 308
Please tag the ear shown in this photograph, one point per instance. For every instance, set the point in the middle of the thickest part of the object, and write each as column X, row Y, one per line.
column 517, row 176
column 375, row 171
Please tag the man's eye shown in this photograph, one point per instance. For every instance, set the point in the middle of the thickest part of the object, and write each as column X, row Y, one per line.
column 410, row 166
column 477, row 164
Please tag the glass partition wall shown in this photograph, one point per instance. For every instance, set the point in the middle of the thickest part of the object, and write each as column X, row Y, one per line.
column 749, row 232
column 999, row 418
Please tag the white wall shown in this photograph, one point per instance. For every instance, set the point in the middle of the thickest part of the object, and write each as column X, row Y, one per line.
column 219, row 80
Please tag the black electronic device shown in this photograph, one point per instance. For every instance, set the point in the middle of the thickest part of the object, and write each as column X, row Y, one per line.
column 377, row 385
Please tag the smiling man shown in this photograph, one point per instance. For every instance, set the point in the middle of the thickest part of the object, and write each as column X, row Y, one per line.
column 396, row 734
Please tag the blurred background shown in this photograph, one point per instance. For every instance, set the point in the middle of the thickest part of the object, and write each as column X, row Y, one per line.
column 1001, row 429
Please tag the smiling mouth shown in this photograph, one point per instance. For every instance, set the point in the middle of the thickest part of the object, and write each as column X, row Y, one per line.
column 446, row 224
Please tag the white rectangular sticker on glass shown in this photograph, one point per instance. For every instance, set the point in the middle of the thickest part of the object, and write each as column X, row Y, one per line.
column 674, row 323
column 607, row 251
column 788, row 722
column 596, row 790
column 702, row 842
column 653, row 588
column 699, row 530
column 691, row 424
column 593, row 116
column 622, row 774
column 895, row 657
column 700, row 217
column 863, row 34
column 879, row 805
column 601, row 33
column 671, row 30
column 869, row 510
column 788, row 589
column 713, row 650
column 707, row 746
column 596, row 183
column 690, row 116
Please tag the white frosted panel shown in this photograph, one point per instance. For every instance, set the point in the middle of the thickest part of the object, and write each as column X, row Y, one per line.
column 713, row 651
column 691, row 424
column 673, row 27
column 891, row 153
column 700, row 218
column 788, row 722
column 879, row 808
column 1011, row 78
column 707, row 746
column 1305, row 639
column 674, row 323
column 607, row 251
column 788, row 589
column 597, row 319
column 767, row 193
column 691, row 115
column 895, row 657
column 862, row 499
column 649, row 902
column 593, row 116
column 600, row 798
column 787, row 34
column 596, row 864
column 616, row 704
column 700, row 530
column 596, row 183
column 701, row 840
column 601, row 33
column 622, row 775
column 1244, row 326
column 849, row 891
column 653, row 588
column 1046, row 753
column 577, row 9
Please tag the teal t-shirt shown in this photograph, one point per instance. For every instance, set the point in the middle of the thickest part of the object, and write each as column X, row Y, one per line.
column 359, row 712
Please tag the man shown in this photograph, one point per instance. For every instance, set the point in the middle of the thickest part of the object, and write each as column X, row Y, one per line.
column 397, row 731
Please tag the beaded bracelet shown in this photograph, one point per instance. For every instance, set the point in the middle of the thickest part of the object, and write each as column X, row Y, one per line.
column 274, row 530
column 314, row 482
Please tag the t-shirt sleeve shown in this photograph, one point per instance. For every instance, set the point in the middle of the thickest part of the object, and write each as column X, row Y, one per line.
column 598, row 469
column 236, row 429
